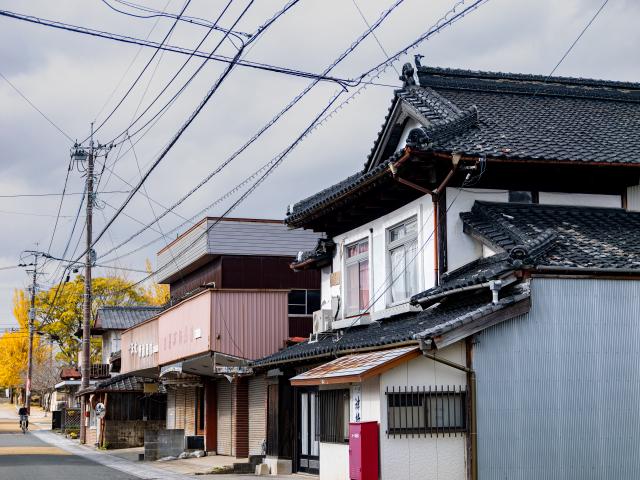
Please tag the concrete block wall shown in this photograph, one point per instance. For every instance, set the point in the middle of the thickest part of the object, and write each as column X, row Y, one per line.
column 128, row 433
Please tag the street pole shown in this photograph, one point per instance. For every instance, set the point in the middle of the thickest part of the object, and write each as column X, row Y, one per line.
column 32, row 316
column 86, row 313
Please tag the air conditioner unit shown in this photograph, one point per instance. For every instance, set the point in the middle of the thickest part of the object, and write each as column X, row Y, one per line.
column 322, row 320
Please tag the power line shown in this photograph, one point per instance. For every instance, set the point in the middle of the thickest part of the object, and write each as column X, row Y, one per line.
column 156, row 45
column 272, row 122
column 52, row 194
column 64, row 189
column 364, row 19
column 144, row 69
column 439, row 25
column 177, row 94
column 576, row 40
column 24, row 97
column 192, row 117
column 133, row 60
column 188, row 19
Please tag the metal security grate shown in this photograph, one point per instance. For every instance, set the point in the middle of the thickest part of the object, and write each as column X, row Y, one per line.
column 421, row 411
column 70, row 420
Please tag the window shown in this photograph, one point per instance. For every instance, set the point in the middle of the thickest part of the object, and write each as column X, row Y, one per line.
column 304, row 302
column 357, row 281
column 334, row 416
column 403, row 250
column 426, row 411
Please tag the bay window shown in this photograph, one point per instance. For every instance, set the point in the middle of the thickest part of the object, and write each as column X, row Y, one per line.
column 403, row 261
column 357, row 277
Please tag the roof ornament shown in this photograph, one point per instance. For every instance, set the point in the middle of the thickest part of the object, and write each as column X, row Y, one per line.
column 407, row 76
column 417, row 57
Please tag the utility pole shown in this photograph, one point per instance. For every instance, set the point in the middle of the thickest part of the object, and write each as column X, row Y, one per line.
column 86, row 311
column 32, row 317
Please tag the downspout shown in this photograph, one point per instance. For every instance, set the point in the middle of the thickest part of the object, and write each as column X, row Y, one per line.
column 471, row 381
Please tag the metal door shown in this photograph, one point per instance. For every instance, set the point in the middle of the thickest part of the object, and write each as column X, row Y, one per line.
column 308, row 433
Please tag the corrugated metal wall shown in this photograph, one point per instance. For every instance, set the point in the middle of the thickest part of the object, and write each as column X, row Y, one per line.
column 257, row 414
column 559, row 388
column 225, row 440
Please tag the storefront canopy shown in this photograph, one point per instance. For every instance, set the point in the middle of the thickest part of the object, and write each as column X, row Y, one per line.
column 356, row 368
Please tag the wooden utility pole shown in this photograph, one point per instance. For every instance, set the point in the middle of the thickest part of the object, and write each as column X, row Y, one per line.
column 86, row 311
column 32, row 317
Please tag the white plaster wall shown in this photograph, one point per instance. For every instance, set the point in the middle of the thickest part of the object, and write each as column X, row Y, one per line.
column 334, row 461
column 633, row 198
column 580, row 199
column 430, row 458
column 376, row 232
column 461, row 248
column 411, row 124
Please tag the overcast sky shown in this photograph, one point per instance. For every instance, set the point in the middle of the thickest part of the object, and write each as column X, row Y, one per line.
column 76, row 79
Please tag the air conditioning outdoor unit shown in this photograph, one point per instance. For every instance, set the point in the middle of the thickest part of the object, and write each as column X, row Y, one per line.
column 322, row 320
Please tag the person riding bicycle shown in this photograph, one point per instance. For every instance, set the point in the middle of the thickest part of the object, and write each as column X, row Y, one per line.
column 23, row 413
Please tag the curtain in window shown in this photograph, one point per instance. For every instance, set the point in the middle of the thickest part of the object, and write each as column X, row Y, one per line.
column 364, row 285
column 398, row 291
column 352, row 289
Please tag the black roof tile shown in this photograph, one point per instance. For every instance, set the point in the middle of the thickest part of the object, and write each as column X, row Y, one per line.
column 510, row 116
column 121, row 318
column 582, row 237
column 387, row 332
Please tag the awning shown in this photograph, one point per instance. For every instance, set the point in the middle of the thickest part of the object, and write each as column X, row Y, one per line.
column 356, row 368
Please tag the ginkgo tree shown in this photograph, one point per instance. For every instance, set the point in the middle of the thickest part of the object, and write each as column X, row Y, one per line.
column 14, row 346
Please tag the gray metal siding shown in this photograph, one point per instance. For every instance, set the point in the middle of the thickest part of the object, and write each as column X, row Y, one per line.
column 257, row 414
column 254, row 238
column 225, row 431
column 559, row 388
column 234, row 238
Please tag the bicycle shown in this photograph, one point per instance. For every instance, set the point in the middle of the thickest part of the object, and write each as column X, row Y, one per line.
column 24, row 423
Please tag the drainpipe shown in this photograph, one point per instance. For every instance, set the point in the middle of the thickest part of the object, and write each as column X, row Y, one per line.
column 425, row 345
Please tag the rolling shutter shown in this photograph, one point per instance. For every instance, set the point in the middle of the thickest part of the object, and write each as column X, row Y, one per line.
column 225, row 440
column 257, row 414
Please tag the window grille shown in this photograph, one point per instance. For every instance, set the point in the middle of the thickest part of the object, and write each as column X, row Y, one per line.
column 334, row 416
column 421, row 411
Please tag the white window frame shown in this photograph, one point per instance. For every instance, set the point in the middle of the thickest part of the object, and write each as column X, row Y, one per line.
column 366, row 256
column 402, row 242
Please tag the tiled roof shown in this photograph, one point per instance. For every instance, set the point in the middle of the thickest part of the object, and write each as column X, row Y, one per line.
column 125, row 383
column 121, row 318
column 385, row 333
column 519, row 293
column 319, row 257
column 583, row 237
column 502, row 116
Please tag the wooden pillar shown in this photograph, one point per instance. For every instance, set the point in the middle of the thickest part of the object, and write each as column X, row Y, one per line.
column 211, row 417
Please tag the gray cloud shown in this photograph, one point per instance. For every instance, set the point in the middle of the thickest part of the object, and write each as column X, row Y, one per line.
column 70, row 76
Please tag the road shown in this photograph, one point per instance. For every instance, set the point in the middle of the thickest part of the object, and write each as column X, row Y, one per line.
column 25, row 457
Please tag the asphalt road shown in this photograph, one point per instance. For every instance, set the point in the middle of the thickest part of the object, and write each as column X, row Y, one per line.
column 25, row 457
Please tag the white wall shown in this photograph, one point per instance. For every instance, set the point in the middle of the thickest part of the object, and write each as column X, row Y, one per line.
column 461, row 248
column 580, row 199
column 376, row 232
column 633, row 198
column 430, row 458
column 334, row 461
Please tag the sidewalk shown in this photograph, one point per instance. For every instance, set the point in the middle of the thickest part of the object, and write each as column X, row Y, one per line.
column 125, row 461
